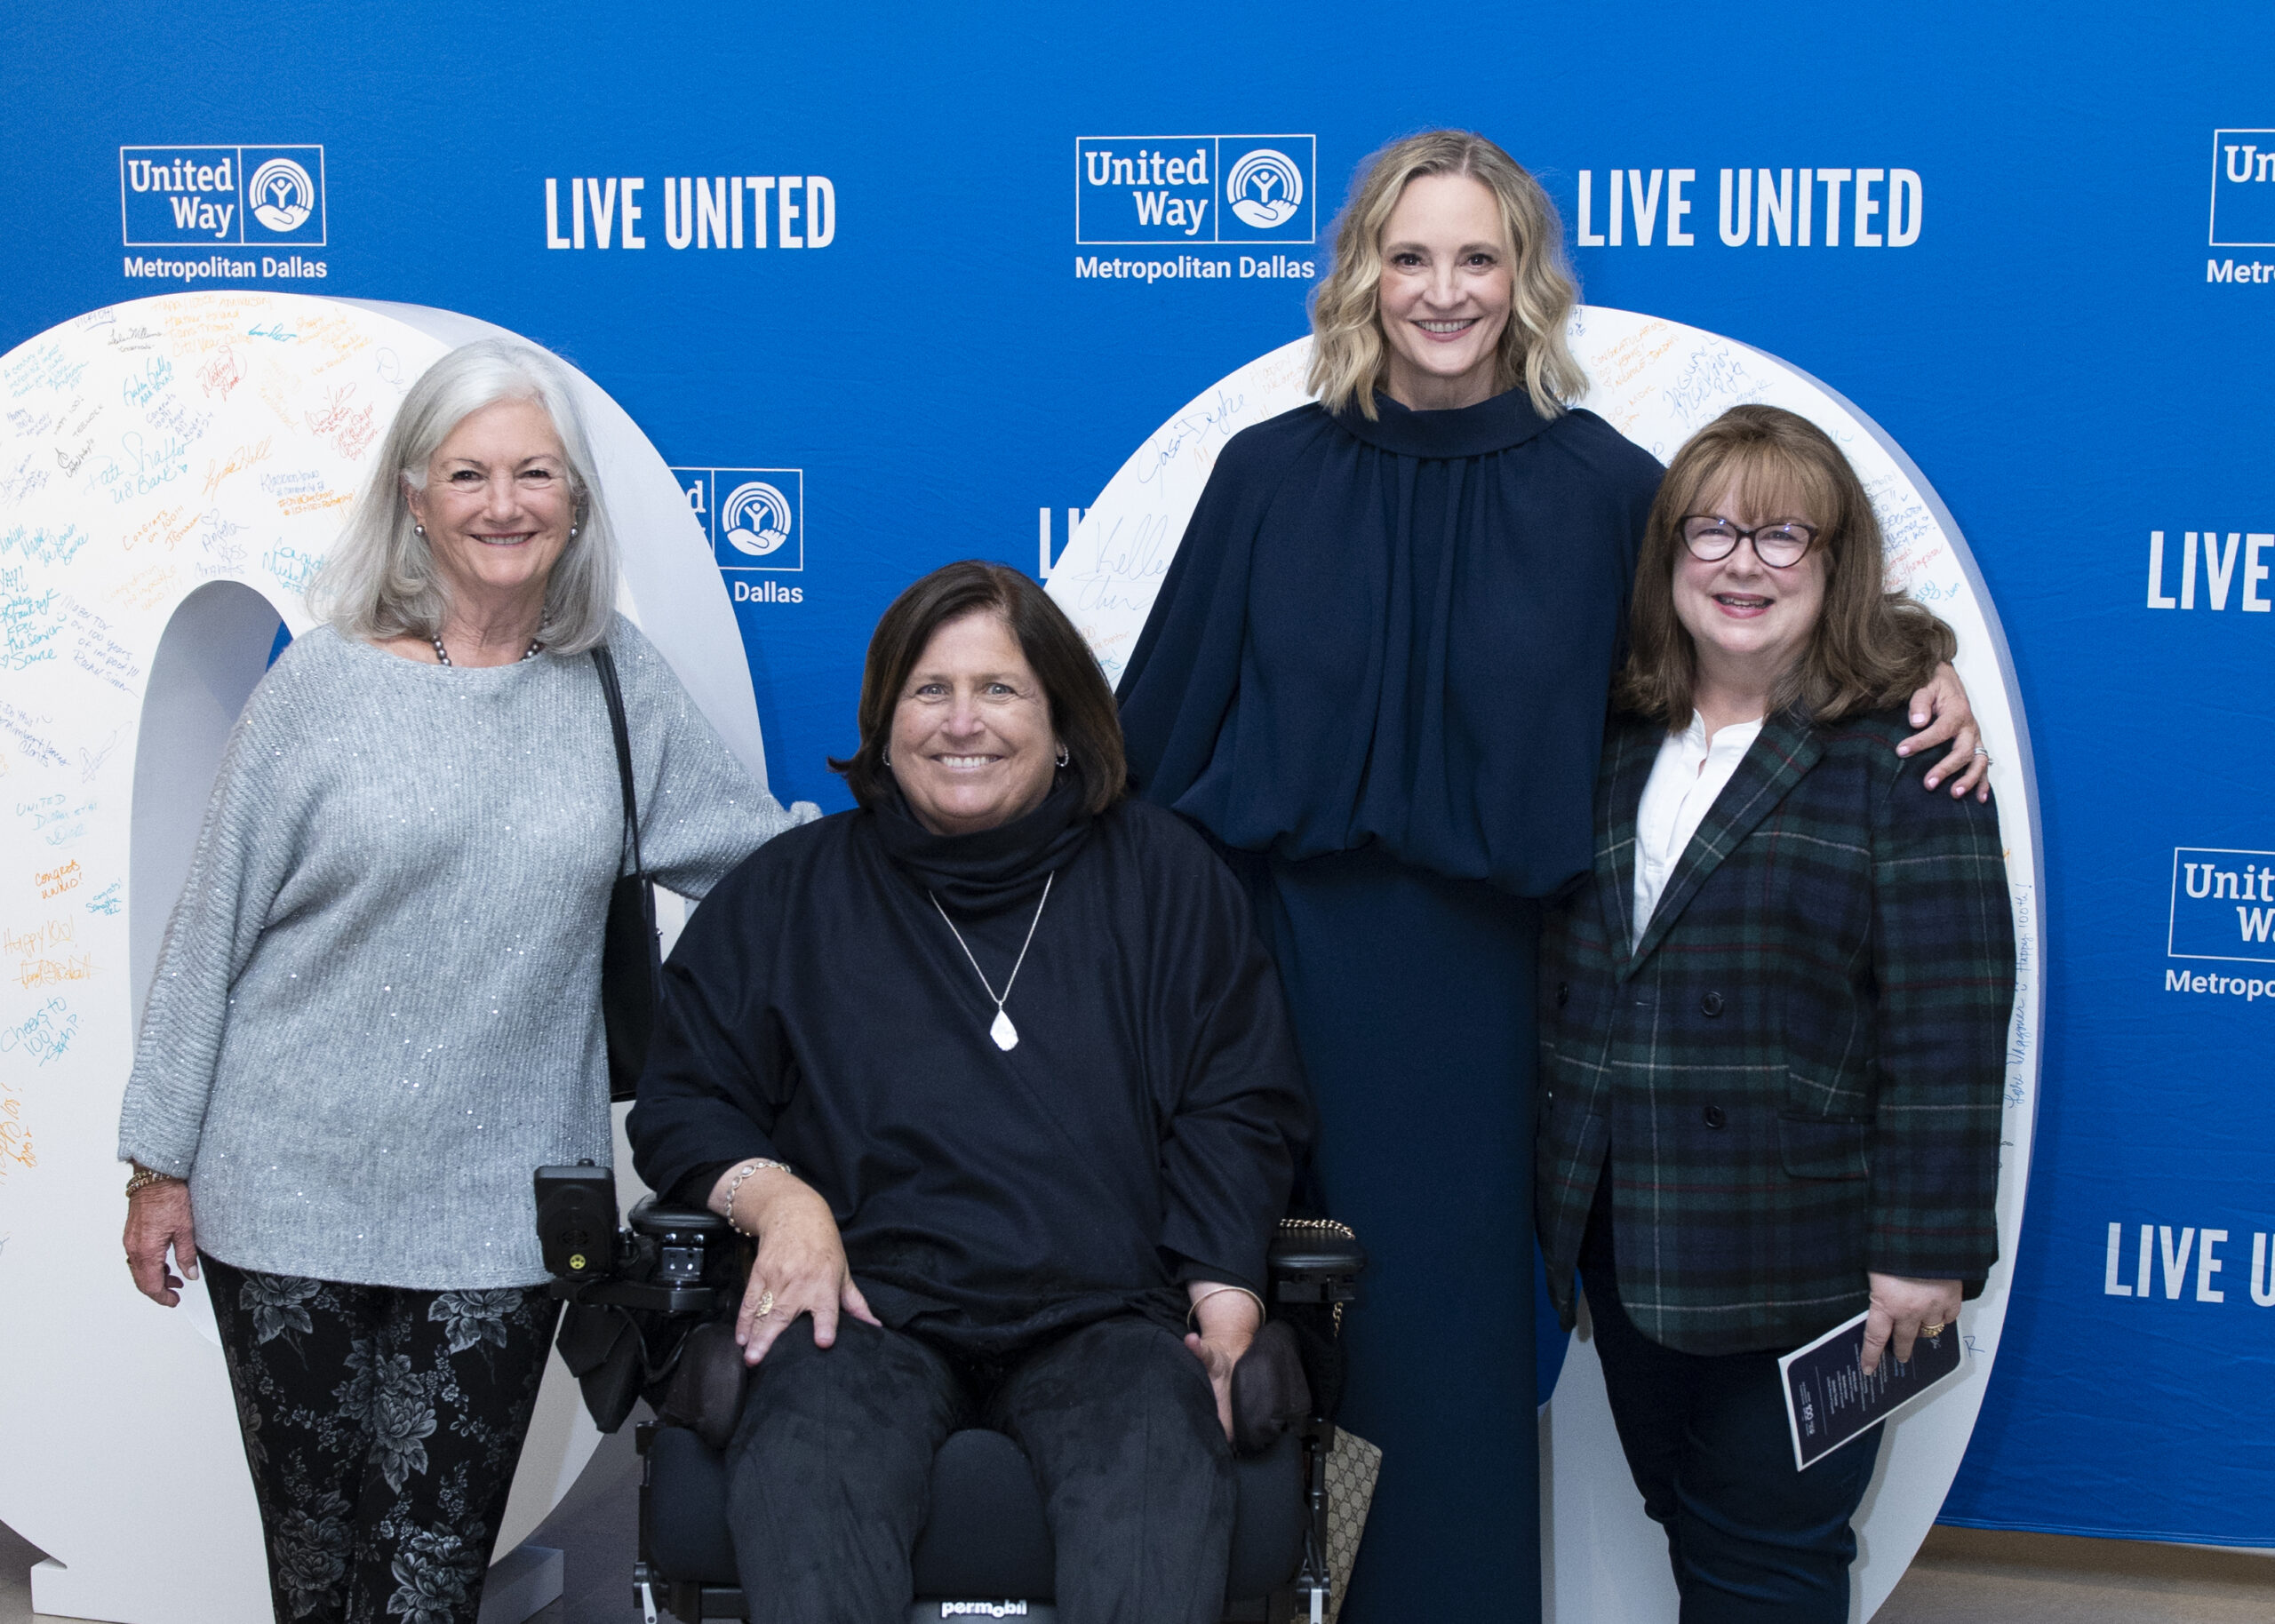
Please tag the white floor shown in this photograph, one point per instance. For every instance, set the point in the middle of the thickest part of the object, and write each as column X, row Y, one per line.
column 1963, row 1576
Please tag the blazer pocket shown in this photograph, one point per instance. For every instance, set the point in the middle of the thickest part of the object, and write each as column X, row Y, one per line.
column 1819, row 1091
column 1814, row 1148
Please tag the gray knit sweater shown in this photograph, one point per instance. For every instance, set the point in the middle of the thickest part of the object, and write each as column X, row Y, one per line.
column 376, row 1011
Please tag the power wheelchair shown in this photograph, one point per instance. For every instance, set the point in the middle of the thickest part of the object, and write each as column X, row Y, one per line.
column 649, row 1316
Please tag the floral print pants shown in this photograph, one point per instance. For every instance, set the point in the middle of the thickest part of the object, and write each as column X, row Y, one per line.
column 382, row 1427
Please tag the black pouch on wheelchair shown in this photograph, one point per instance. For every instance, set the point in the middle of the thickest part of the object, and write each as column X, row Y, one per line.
column 603, row 1349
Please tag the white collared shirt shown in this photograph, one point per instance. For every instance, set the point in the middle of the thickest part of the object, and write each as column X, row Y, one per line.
column 1684, row 782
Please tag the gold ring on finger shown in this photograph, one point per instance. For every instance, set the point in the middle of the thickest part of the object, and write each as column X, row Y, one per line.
column 765, row 1305
column 1931, row 1331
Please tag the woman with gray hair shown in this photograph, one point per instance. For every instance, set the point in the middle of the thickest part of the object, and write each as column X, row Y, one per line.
column 376, row 1006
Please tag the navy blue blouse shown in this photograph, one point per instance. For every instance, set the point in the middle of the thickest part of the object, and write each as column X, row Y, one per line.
column 1401, row 633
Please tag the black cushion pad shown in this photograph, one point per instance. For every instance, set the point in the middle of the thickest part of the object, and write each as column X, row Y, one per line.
column 986, row 1536
column 1268, row 1522
column 685, row 1506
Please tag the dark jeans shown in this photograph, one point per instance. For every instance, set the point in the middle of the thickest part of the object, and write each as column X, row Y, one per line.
column 830, row 1470
column 382, row 1427
column 1751, row 1538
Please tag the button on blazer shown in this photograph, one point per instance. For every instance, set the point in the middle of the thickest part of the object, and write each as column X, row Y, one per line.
column 1798, row 1073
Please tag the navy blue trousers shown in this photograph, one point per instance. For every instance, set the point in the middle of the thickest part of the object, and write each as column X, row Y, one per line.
column 1412, row 999
column 1752, row 1539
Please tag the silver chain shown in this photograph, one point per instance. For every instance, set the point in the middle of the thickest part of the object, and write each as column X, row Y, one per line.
column 1022, row 958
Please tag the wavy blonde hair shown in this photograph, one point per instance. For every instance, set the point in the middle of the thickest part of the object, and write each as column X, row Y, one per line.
column 380, row 581
column 1350, row 355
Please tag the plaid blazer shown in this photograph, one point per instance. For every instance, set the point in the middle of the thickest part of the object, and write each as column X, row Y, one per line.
column 1798, row 1073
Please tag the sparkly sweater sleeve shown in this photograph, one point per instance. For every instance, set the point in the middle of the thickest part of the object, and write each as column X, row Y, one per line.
column 245, row 851
column 700, row 814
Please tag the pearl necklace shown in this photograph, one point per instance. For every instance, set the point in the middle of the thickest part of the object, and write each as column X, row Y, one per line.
column 444, row 655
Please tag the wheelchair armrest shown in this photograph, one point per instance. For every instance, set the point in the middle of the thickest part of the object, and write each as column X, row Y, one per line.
column 1316, row 1259
column 665, row 1220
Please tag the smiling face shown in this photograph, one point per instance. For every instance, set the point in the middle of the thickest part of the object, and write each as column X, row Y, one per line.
column 498, row 506
column 972, row 744
column 1446, row 290
column 1748, row 622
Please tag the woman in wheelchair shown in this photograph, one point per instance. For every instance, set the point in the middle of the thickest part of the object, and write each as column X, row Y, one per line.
column 997, row 1072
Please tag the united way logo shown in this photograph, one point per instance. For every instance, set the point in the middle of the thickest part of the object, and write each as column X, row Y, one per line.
column 2243, row 188
column 1187, row 189
column 1265, row 189
column 755, row 517
column 206, row 196
column 2222, row 904
column 282, row 195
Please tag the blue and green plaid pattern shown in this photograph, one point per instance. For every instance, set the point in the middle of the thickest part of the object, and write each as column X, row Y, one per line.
column 1798, row 1074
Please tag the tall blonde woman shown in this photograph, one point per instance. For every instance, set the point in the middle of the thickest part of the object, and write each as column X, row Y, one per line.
column 376, row 1006
column 1377, row 674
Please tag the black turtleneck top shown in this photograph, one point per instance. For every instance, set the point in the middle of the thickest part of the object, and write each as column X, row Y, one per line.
column 1144, row 1131
column 1399, row 632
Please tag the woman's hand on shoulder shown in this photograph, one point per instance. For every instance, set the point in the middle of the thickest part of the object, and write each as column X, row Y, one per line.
column 801, row 1266
column 1901, row 1308
column 158, row 1218
column 1229, row 1317
column 1942, row 713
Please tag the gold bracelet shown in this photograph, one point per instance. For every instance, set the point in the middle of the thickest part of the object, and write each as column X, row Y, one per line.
column 1261, row 1316
column 144, row 1177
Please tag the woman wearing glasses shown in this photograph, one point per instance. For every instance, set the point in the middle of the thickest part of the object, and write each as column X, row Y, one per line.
column 1376, row 675
column 1773, row 1023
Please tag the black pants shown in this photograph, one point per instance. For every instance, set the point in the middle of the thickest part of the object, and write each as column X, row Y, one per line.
column 1752, row 1539
column 382, row 1427
column 830, row 1470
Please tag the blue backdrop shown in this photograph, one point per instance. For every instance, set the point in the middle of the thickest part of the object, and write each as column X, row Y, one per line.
column 919, row 301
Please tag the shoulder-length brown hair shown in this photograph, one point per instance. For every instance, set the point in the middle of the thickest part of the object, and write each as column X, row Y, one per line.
column 1350, row 356
column 1081, row 706
column 1872, row 648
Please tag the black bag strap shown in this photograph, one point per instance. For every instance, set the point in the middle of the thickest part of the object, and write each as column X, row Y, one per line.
column 604, row 663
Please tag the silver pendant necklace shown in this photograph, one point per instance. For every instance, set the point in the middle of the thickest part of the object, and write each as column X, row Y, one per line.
column 1005, row 1035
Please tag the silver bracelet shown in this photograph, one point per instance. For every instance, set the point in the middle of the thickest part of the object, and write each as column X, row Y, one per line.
column 742, row 1173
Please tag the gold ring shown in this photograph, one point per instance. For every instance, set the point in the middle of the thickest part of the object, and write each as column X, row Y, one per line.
column 1934, row 1330
column 765, row 1305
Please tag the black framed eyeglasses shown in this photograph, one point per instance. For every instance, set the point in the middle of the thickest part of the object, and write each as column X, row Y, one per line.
column 1711, row 538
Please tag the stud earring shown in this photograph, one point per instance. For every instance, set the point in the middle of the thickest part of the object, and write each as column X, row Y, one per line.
column 572, row 532
column 420, row 530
